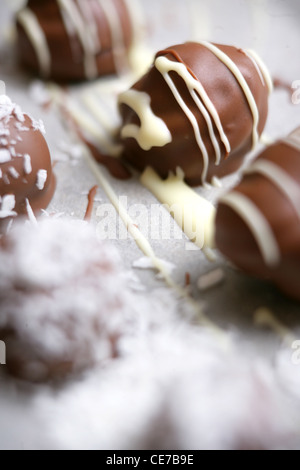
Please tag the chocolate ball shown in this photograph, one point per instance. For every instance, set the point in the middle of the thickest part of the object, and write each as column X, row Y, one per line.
column 63, row 299
column 258, row 223
column 69, row 40
column 26, row 176
column 201, row 107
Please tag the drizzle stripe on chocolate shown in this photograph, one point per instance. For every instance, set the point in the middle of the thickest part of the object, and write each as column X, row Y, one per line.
column 80, row 23
column 152, row 131
column 280, row 178
column 205, row 106
column 38, row 39
column 75, row 25
column 258, row 225
column 114, row 21
column 242, row 82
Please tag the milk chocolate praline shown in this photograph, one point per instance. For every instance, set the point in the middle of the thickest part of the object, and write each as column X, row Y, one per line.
column 72, row 40
column 227, row 97
column 272, row 186
column 26, row 177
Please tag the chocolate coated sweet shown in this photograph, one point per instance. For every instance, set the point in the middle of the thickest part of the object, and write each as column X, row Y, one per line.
column 74, row 39
column 258, row 223
column 201, row 107
column 26, row 177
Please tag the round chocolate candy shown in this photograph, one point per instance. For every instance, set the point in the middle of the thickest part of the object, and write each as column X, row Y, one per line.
column 200, row 108
column 258, row 223
column 75, row 39
column 26, row 178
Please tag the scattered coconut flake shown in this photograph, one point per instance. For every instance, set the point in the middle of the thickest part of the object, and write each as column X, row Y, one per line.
column 4, row 142
column 18, row 113
column 5, row 156
column 21, row 128
column 41, row 179
column 13, row 172
column 30, row 213
column 27, row 164
column 211, row 279
column 38, row 126
column 13, row 151
column 8, row 203
column 4, row 132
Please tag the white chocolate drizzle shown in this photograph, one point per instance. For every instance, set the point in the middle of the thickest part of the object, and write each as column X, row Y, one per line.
column 75, row 26
column 117, row 36
column 38, row 40
column 144, row 245
column 261, row 68
column 241, row 81
column 280, row 178
column 152, row 132
column 204, row 104
column 194, row 214
column 257, row 224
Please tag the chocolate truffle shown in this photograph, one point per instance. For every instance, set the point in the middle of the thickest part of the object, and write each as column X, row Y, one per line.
column 201, row 108
column 75, row 39
column 26, row 176
column 258, row 223
column 63, row 303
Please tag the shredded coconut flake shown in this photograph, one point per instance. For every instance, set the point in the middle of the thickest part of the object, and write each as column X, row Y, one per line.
column 8, row 203
column 41, row 179
column 13, row 172
column 5, row 156
column 27, row 164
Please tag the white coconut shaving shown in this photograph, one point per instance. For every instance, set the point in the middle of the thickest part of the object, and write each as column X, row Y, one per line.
column 7, row 205
column 61, row 292
column 41, row 179
column 173, row 385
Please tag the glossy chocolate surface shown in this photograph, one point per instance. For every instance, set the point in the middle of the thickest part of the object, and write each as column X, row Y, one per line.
column 228, row 98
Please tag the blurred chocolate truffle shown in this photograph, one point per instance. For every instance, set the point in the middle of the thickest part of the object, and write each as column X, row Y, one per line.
column 258, row 223
column 201, row 108
column 69, row 40
column 26, row 176
column 63, row 301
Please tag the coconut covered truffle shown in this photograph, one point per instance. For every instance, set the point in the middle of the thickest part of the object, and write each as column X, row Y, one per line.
column 63, row 300
column 75, row 39
column 200, row 108
column 26, row 176
column 258, row 223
